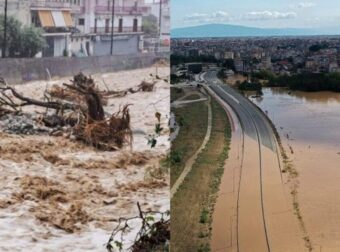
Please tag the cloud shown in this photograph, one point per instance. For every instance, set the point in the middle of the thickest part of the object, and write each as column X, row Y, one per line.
column 195, row 17
column 218, row 16
column 302, row 5
column 306, row 5
column 222, row 17
column 268, row 15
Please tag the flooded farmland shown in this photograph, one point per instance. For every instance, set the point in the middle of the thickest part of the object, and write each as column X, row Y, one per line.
column 308, row 124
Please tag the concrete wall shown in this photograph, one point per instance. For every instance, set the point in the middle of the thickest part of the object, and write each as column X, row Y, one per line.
column 123, row 44
column 16, row 71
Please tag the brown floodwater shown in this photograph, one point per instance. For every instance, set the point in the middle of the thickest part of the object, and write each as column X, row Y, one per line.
column 309, row 125
column 238, row 221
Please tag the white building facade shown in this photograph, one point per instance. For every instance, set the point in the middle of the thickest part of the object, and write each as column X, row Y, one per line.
column 84, row 27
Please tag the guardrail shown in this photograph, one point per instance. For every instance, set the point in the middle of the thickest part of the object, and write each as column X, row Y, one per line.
column 121, row 10
column 107, row 30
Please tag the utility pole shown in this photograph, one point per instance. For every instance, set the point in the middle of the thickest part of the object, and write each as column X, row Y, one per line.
column 4, row 45
column 160, row 24
column 112, row 24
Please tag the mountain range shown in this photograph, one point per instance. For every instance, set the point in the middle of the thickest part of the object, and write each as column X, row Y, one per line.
column 226, row 30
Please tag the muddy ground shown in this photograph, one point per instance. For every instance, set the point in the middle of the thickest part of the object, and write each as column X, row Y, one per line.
column 57, row 194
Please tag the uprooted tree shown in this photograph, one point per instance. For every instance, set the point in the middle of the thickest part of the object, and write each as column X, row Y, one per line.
column 78, row 105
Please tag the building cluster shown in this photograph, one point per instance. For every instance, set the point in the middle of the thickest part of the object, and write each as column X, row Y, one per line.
column 84, row 27
column 281, row 55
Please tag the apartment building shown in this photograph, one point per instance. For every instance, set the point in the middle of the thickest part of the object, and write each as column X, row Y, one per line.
column 94, row 23
column 55, row 18
column 161, row 10
column 84, row 27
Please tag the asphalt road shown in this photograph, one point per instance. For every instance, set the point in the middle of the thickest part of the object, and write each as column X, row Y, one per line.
column 264, row 218
column 250, row 192
column 251, row 118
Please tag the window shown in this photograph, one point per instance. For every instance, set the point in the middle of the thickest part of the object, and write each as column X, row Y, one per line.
column 135, row 25
column 107, row 25
column 81, row 21
column 120, row 27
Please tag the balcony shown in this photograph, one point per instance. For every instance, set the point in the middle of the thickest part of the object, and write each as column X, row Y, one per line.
column 166, row 12
column 117, row 30
column 119, row 10
column 54, row 5
column 49, row 4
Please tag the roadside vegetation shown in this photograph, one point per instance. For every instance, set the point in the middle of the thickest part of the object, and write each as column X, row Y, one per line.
column 193, row 122
column 176, row 93
column 192, row 97
column 250, row 86
column 193, row 205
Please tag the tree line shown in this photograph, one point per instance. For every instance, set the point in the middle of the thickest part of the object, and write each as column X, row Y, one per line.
column 310, row 82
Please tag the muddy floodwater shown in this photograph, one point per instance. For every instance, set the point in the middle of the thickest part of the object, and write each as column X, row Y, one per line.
column 309, row 126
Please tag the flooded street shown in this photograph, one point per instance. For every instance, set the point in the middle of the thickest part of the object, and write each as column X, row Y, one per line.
column 58, row 194
column 308, row 124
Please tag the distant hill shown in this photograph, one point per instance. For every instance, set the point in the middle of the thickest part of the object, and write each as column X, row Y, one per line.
column 225, row 30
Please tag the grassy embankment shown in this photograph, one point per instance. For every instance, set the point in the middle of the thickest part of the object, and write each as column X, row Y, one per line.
column 191, row 135
column 193, row 204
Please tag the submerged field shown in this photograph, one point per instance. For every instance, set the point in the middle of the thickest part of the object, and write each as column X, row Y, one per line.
column 308, row 126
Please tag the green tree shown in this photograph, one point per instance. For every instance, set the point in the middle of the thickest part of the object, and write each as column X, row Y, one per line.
column 32, row 41
column 13, row 32
column 22, row 41
column 150, row 25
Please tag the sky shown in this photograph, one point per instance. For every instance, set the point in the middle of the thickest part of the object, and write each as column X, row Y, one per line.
column 257, row 13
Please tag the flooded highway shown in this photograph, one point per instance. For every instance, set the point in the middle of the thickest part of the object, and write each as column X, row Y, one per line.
column 309, row 126
column 253, row 211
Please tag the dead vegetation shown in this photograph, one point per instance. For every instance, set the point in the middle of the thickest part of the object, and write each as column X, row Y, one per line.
column 152, row 236
column 145, row 86
column 78, row 105
column 71, row 185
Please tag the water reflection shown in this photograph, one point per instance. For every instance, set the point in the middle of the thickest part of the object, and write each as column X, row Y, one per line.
column 314, row 97
column 310, row 117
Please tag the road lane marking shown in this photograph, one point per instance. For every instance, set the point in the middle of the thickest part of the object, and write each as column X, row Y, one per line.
column 232, row 97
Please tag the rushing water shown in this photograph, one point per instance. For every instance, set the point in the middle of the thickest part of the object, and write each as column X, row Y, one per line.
column 309, row 125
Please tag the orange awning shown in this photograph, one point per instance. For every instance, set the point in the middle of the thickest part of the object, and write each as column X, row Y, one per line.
column 68, row 18
column 46, row 18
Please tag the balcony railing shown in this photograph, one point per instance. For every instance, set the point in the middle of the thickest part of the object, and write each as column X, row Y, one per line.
column 49, row 4
column 121, row 10
column 107, row 30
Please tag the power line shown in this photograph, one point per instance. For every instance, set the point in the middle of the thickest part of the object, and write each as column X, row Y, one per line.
column 4, row 45
column 160, row 24
column 112, row 24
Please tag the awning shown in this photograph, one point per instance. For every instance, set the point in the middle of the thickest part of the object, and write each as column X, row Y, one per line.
column 68, row 18
column 46, row 18
column 58, row 18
